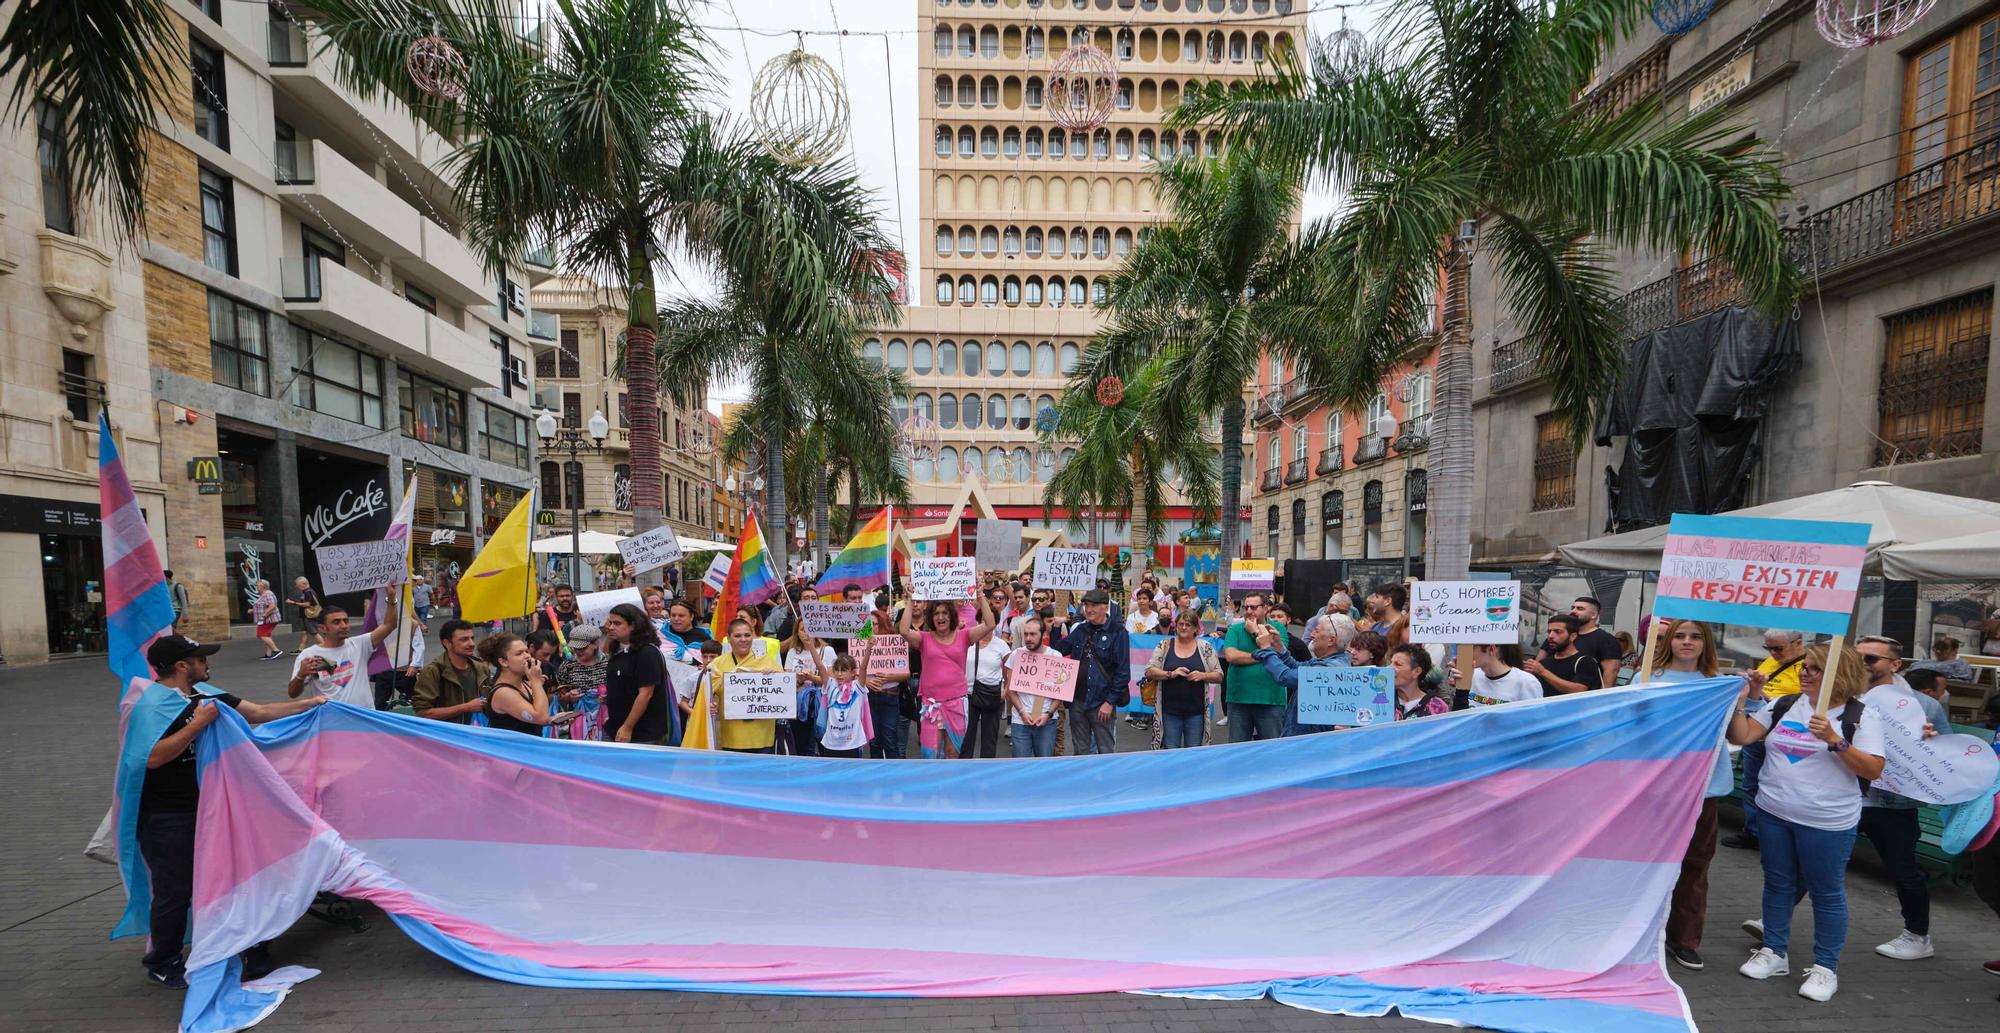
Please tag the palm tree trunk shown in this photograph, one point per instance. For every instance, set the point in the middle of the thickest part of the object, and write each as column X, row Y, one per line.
column 777, row 529
column 822, row 524
column 1450, row 545
column 1232, row 489
column 642, row 382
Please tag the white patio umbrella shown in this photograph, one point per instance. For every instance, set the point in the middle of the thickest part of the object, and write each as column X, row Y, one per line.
column 589, row 543
column 689, row 544
column 1968, row 557
column 1897, row 516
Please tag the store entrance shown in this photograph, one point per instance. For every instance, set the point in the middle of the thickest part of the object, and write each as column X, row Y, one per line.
column 73, row 594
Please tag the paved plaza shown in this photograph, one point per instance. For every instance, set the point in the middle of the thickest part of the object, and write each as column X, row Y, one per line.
column 59, row 973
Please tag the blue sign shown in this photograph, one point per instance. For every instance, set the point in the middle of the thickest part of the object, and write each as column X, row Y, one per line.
column 1346, row 696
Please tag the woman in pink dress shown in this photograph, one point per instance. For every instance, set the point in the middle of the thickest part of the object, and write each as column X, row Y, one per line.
column 942, row 686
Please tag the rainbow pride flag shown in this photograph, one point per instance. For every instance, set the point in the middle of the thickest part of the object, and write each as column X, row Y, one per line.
column 751, row 579
column 1506, row 868
column 864, row 562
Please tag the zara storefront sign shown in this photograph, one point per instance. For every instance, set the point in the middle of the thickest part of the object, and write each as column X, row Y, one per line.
column 350, row 505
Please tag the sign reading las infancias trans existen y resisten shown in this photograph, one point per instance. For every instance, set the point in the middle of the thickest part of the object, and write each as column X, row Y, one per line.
column 1801, row 575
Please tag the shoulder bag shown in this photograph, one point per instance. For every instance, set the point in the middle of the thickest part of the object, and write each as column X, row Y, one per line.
column 985, row 698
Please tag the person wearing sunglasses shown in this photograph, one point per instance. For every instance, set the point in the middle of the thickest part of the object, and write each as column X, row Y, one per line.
column 1809, row 808
column 1889, row 820
column 1784, row 650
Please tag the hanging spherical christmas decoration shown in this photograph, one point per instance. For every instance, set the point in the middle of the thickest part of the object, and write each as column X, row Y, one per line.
column 1110, row 391
column 920, row 437
column 1864, row 23
column 436, row 67
column 1083, row 88
column 799, row 107
column 1677, row 16
column 1046, row 420
column 1343, row 54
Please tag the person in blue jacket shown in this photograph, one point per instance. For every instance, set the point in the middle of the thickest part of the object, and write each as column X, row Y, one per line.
column 1326, row 648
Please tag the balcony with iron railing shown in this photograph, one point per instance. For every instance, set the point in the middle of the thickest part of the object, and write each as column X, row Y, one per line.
column 1635, row 82
column 1267, row 405
column 1295, row 471
column 1331, row 460
column 1946, row 199
column 82, row 395
column 1371, row 449
column 1268, row 482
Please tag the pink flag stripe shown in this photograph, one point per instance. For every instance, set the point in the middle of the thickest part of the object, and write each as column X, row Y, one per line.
column 1786, row 554
column 1832, row 600
column 348, row 773
column 131, row 576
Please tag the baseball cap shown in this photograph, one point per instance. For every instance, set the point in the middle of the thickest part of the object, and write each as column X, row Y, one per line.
column 585, row 634
column 168, row 650
column 1096, row 595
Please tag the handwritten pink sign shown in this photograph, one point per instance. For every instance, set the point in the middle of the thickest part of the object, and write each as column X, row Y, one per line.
column 1040, row 674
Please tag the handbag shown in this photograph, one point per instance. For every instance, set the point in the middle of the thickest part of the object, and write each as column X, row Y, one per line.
column 984, row 698
column 1149, row 690
column 311, row 608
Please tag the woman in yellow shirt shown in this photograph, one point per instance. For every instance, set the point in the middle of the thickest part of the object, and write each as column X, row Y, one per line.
column 746, row 652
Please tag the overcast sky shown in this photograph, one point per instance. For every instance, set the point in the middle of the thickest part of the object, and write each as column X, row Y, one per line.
column 882, row 92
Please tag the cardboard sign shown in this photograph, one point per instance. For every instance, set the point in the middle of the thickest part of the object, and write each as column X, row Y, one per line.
column 652, row 550
column 1346, row 696
column 997, row 544
column 1038, row 674
column 595, row 606
column 759, row 695
column 832, row 620
column 1944, row 769
column 949, row 578
column 718, row 571
column 888, row 655
column 1252, row 574
column 363, row 566
column 1801, row 575
column 685, row 678
column 1073, row 570
column 1465, row 611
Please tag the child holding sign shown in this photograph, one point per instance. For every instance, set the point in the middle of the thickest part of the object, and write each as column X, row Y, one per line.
column 844, row 723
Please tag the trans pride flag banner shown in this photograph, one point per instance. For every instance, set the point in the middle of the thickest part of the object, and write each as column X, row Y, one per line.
column 1506, row 868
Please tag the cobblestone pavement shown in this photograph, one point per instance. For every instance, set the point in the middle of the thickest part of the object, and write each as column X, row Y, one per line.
column 58, row 972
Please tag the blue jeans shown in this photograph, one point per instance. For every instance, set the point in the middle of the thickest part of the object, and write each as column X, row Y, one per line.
column 1798, row 859
column 1180, row 732
column 1249, row 721
column 1753, row 763
column 886, row 712
column 1035, row 741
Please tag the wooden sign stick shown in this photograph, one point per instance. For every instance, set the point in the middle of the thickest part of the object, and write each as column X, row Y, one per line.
column 1653, row 632
column 1833, row 651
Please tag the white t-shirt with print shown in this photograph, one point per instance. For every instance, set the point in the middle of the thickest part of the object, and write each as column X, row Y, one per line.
column 1512, row 687
column 1802, row 781
column 347, row 681
column 988, row 660
column 1142, row 623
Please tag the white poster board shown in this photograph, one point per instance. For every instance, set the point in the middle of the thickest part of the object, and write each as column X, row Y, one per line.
column 758, row 695
column 652, row 550
column 997, row 544
column 362, row 566
column 718, row 571
column 1073, row 570
column 595, row 606
column 948, row 578
column 1465, row 612
column 832, row 620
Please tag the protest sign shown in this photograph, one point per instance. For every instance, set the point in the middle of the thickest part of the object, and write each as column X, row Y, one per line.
column 888, row 656
column 759, row 695
column 1465, row 611
column 362, row 566
column 1346, row 696
column 595, row 606
column 1073, row 570
column 1042, row 674
column 718, row 572
column 1252, row 574
column 997, row 544
column 685, row 678
column 1801, row 575
column 652, row 550
column 832, row 620
column 1944, row 769
column 949, row 578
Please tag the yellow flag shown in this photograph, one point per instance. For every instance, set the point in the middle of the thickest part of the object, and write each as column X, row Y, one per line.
column 500, row 582
column 700, row 733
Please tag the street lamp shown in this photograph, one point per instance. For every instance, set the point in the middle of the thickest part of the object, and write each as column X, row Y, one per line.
column 573, row 441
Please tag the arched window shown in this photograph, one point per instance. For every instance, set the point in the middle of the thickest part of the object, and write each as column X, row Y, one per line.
column 968, row 291
column 967, row 91
column 973, row 462
column 1124, row 145
column 989, row 242
column 1097, row 292
column 1190, row 143
column 965, row 144
column 1419, row 405
column 1058, row 291
column 1078, row 243
column 1336, row 433
column 968, row 242
column 941, row 41
column 1277, row 461
column 970, row 410
column 944, row 290
column 899, row 355
column 1100, row 143
column 1038, row 43
column 1121, row 243
column 1069, row 356
column 1023, row 359
column 996, row 359
column 1167, row 146
column 1257, row 48
column 1212, row 145
column 1045, row 359
column 1045, row 464
column 1019, row 458
column 1146, row 145
column 1191, row 47
column 989, row 143
column 989, row 42
column 968, row 42
column 1125, row 44
column 941, row 93
column 944, row 240
column 1058, row 243
column 1238, row 47
column 871, row 352
column 989, row 92
column 1034, row 290
column 1010, row 290
column 996, row 411
column 1100, row 242
column 1062, row 461
column 1034, row 92
column 1056, row 144
column 944, row 141
column 1022, row 416
column 1271, row 531
column 922, row 406
column 989, row 291
column 1010, row 242
column 920, row 357
column 996, row 464
column 1124, row 94
column 1034, row 242
column 947, row 464
column 971, row 358
column 1034, row 143
column 1298, row 529
column 1076, row 146
column 947, row 358
column 1010, row 143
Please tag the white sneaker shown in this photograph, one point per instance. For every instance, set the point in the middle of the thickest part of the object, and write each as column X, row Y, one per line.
column 1907, row 946
column 1820, row 984
column 1755, row 927
column 1765, row 963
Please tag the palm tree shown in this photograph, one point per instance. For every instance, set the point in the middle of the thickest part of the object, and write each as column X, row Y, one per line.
column 1473, row 119
column 1207, row 294
column 107, row 72
column 1126, row 456
column 792, row 310
column 591, row 140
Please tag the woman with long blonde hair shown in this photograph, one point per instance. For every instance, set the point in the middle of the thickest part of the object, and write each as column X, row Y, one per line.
column 1686, row 652
column 1809, row 807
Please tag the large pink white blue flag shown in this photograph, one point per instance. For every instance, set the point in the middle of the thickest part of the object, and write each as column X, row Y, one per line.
column 396, row 650
column 138, row 606
column 1507, row 868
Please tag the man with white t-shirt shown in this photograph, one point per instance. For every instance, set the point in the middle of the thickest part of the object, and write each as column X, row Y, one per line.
column 1497, row 676
column 1032, row 719
column 337, row 668
column 1888, row 820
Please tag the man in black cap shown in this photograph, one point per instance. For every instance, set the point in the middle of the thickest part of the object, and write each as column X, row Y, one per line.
column 169, row 799
column 1104, row 679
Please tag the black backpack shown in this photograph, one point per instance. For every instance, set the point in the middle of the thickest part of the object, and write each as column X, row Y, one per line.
column 1849, row 718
